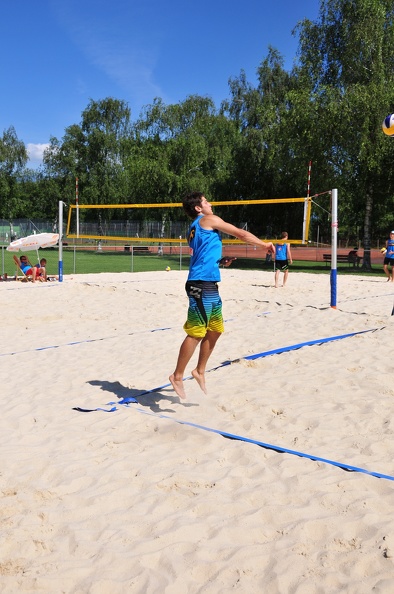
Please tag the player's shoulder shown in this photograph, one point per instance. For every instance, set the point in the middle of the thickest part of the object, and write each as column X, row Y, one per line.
column 210, row 221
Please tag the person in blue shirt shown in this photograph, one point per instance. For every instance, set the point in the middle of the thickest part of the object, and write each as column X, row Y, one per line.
column 204, row 323
column 282, row 259
column 27, row 268
column 389, row 258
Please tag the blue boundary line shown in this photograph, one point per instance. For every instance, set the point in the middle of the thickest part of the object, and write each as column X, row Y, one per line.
column 294, row 347
column 85, row 341
column 278, row 351
column 280, row 449
column 300, row 345
column 276, row 448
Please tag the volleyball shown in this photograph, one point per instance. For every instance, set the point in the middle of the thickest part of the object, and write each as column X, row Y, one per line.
column 168, row 269
column 388, row 125
column 383, row 250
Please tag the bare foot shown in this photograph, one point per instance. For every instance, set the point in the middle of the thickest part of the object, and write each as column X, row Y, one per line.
column 178, row 386
column 200, row 379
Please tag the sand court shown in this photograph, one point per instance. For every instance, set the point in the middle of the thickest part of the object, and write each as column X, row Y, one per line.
column 145, row 498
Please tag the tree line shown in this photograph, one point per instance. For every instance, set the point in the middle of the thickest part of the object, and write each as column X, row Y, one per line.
column 327, row 109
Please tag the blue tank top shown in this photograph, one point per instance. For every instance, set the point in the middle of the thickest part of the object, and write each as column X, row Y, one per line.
column 390, row 249
column 206, row 251
column 281, row 251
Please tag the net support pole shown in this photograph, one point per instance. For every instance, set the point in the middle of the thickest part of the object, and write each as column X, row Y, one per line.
column 60, row 270
column 334, row 241
column 307, row 207
column 77, row 204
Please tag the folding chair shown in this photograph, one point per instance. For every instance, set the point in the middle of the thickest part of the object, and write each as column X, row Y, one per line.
column 25, row 277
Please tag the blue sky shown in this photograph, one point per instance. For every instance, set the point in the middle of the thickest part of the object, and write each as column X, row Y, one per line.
column 59, row 54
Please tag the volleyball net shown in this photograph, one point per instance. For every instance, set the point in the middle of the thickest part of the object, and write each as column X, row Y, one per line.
column 166, row 222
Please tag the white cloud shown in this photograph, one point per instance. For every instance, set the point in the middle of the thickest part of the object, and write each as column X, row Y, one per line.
column 36, row 152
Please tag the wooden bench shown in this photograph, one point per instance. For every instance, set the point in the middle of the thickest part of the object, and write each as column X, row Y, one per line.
column 341, row 259
column 137, row 249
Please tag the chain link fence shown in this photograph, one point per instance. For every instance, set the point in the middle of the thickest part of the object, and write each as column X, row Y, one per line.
column 11, row 230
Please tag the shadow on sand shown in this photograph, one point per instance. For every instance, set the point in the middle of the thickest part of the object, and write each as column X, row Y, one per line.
column 151, row 399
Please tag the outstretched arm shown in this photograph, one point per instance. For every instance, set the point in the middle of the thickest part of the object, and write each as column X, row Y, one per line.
column 215, row 222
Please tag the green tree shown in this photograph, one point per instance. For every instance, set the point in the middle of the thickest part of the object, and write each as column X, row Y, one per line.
column 39, row 195
column 264, row 160
column 179, row 147
column 94, row 152
column 13, row 157
column 346, row 63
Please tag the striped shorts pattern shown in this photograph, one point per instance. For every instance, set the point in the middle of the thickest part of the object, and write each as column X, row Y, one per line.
column 205, row 309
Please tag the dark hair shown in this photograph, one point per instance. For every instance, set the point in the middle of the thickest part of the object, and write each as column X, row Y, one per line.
column 190, row 201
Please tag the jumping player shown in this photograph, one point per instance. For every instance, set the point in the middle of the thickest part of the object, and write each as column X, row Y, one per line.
column 204, row 323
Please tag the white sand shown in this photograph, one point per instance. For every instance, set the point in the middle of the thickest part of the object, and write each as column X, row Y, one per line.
column 108, row 503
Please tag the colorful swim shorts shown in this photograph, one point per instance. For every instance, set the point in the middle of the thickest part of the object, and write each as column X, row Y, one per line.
column 205, row 309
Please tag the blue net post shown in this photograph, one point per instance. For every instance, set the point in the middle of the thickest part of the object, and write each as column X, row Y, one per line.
column 334, row 241
column 333, row 284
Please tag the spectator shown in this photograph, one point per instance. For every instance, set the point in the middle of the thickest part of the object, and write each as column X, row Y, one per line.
column 354, row 258
column 27, row 268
